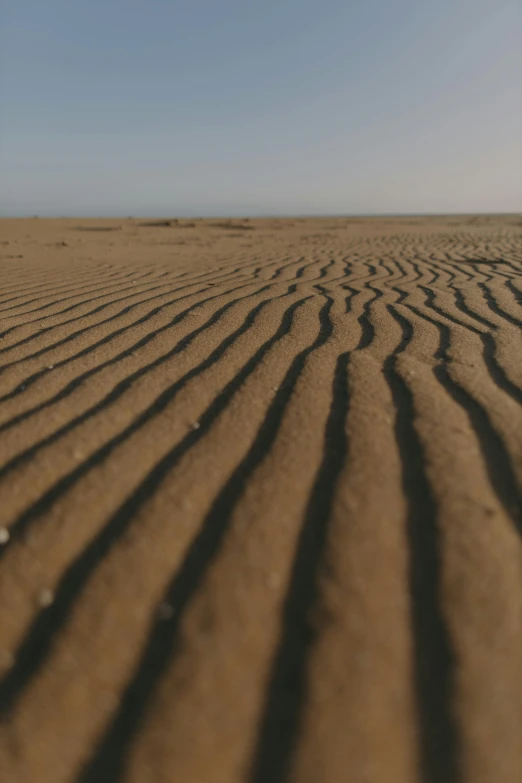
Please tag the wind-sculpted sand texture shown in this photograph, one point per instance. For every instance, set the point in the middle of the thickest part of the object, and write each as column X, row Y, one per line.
column 261, row 511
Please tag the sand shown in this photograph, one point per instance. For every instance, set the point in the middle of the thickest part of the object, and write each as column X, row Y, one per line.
column 260, row 488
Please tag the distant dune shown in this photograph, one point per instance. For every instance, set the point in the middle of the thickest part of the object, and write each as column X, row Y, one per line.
column 261, row 500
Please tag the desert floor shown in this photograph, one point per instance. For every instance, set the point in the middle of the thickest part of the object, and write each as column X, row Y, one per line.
column 260, row 513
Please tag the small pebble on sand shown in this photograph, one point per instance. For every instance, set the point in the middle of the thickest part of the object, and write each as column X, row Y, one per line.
column 4, row 535
column 196, row 425
column 45, row 597
column 6, row 659
column 272, row 581
column 165, row 611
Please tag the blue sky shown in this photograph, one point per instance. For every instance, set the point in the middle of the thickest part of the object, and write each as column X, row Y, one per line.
column 215, row 107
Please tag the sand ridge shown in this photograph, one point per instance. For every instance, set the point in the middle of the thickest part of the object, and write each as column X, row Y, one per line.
column 261, row 500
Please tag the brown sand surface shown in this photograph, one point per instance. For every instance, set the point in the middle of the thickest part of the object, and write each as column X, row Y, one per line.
column 260, row 500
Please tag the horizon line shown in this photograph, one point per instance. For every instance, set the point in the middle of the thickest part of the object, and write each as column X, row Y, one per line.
column 250, row 216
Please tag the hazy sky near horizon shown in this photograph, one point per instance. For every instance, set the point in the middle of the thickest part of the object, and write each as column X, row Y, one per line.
column 214, row 107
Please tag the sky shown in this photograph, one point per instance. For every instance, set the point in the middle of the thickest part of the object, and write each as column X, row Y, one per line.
column 235, row 107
